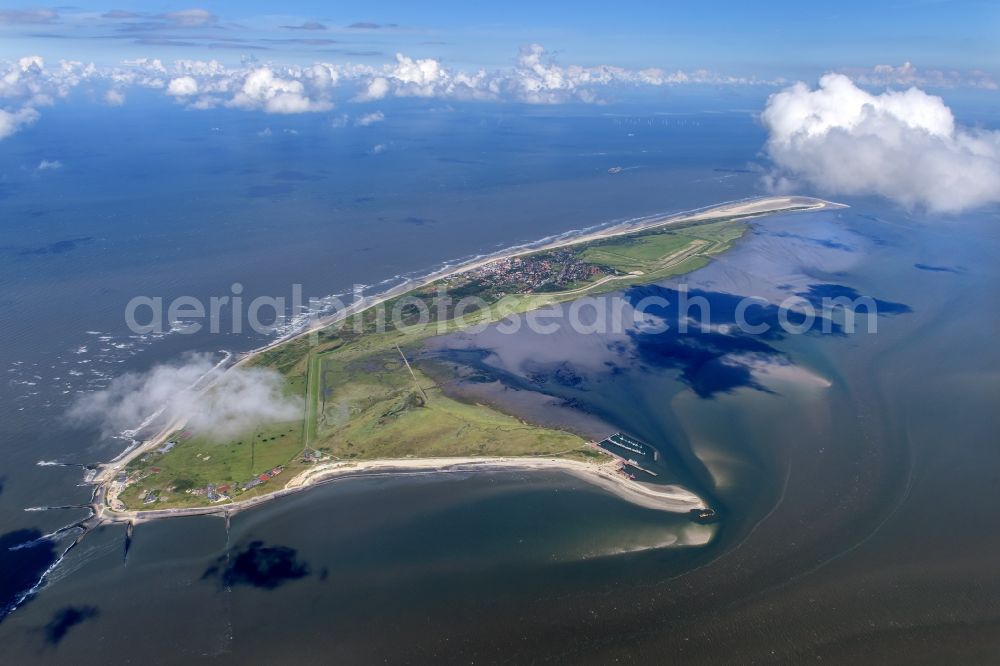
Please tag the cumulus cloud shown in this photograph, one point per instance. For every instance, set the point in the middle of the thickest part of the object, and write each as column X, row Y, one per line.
column 376, row 89
column 183, row 86
column 201, row 68
column 269, row 88
column 902, row 145
column 539, row 79
column 262, row 89
column 536, row 78
column 28, row 84
column 222, row 404
column 369, row 119
column 909, row 74
column 148, row 64
column 114, row 97
column 322, row 75
column 49, row 165
column 419, row 76
column 11, row 122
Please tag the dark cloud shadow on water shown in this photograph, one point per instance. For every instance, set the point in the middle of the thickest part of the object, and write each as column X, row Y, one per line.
column 715, row 355
column 418, row 221
column 277, row 191
column 58, row 247
column 290, row 175
column 65, row 619
column 937, row 269
column 868, row 231
column 822, row 242
column 22, row 567
column 816, row 293
column 258, row 565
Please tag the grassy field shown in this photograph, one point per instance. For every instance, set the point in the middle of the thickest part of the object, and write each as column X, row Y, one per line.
column 199, row 461
column 361, row 401
column 644, row 254
column 665, row 253
column 372, row 407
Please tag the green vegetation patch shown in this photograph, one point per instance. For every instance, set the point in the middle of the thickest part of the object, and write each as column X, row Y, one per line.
column 197, row 461
column 644, row 253
column 373, row 408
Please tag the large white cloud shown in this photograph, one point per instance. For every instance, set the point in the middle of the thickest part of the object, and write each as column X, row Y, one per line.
column 376, row 89
column 418, row 77
column 28, row 84
column 237, row 400
column 902, row 145
column 182, row 86
column 262, row 89
column 538, row 80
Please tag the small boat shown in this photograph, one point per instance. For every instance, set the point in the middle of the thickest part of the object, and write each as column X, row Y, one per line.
column 705, row 515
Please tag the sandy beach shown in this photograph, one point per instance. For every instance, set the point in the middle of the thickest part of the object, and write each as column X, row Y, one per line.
column 665, row 498
column 673, row 499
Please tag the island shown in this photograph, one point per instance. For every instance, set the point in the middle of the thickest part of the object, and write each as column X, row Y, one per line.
column 368, row 408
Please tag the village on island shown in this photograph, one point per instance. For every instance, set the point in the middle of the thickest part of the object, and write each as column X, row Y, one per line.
column 214, row 493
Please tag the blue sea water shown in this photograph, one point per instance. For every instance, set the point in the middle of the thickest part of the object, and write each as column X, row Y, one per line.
column 196, row 202
column 819, row 487
column 168, row 202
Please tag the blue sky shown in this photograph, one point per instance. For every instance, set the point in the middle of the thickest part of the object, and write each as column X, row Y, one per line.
column 787, row 39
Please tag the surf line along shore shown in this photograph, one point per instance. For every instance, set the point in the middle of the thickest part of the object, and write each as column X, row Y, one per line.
column 673, row 499
column 668, row 499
